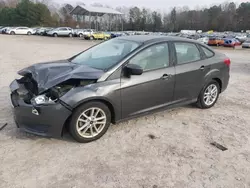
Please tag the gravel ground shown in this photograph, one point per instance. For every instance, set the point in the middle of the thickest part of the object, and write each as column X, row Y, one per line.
column 179, row 156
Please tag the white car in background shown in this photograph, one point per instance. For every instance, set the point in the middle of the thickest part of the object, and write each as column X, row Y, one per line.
column 203, row 40
column 61, row 31
column 84, row 32
column 20, row 31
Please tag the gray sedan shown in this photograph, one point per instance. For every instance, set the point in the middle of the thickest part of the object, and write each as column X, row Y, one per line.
column 116, row 80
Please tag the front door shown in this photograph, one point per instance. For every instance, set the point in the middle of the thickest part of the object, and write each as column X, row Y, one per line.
column 154, row 88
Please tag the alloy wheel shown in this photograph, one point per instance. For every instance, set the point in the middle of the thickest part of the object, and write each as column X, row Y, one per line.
column 91, row 122
column 210, row 94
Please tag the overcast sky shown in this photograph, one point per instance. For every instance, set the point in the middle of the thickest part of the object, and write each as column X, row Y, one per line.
column 155, row 4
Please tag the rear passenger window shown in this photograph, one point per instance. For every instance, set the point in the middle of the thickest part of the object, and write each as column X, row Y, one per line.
column 186, row 52
column 207, row 52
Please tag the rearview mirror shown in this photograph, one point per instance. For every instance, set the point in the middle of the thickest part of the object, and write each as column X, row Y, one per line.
column 133, row 69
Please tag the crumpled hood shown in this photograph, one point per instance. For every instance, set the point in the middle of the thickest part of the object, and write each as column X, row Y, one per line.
column 51, row 74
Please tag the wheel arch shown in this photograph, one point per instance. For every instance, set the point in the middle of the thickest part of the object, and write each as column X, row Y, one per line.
column 218, row 80
column 102, row 100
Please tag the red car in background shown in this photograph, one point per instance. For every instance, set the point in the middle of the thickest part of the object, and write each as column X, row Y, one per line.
column 231, row 42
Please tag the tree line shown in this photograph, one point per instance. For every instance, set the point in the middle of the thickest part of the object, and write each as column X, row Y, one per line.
column 223, row 17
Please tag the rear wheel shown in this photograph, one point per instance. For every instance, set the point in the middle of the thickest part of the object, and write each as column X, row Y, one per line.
column 55, row 35
column 12, row 33
column 91, row 38
column 209, row 95
column 90, row 122
column 81, row 35
column 70, row 35
column 29, row 33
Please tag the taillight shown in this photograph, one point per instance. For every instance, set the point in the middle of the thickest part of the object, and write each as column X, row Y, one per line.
column 227, row 61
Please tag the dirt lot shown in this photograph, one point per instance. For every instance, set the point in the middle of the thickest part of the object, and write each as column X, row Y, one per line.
column 180, row 156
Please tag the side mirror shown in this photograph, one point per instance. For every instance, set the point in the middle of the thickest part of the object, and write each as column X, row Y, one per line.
column 133, row 69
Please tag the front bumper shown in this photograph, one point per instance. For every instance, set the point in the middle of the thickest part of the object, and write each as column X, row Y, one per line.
column 49, row 121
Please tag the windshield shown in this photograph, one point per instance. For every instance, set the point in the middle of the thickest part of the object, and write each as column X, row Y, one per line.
column 105, row 55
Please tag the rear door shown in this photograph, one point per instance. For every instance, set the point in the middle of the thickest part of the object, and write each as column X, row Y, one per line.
column 63, row 31
column 191, row 67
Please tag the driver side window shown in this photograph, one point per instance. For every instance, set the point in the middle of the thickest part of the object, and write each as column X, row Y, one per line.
column 153, row 57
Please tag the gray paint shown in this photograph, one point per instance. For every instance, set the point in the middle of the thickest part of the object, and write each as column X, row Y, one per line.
column 50, row 74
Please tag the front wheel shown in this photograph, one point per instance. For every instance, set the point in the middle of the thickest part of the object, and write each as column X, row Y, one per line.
column 12, row 33
column 90, row 122
column 55, row 35
column 209, row 95
column 29, row 33
column 70, row 35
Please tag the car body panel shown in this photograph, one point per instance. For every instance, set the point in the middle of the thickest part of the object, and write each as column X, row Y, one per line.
column 49, row 122
column 136, row 91
column 50, row 74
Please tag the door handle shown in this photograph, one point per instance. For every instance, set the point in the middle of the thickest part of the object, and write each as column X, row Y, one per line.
column 202, row 67
column 165, row 76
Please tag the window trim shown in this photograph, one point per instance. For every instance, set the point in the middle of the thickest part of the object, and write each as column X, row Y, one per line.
column 175, row 54
column 158, row 43
column 205, row 56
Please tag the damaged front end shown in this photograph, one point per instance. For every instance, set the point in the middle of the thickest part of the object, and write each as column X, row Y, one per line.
column 42, row 113
column 36, row 96
column 27, row 90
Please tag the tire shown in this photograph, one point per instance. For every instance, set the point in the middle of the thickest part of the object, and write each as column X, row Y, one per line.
column 70, row 35
column 86, row 134
column 201, row 103
column 80, row 35
column 12, row 33
column 91, row 38
column 29, row 33
column 55, row 35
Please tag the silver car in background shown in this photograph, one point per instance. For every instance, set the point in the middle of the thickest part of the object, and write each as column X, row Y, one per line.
column 61, row 31
column 246, row 44
column 83, row 32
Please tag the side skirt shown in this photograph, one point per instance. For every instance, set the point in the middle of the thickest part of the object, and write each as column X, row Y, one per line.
column 171, row 106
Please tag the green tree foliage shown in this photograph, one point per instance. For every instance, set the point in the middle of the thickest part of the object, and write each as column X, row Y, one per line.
column 26, row 13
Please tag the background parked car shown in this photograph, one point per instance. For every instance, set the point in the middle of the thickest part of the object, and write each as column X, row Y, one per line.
column 215, row 41
column 61, row 31
column 98, row 36
column 204, row 40
column 231, row 42
column 42, row 30
column 3, row 30
column 241, row 38
column 20, row 31
column 83, row 32
column 246, row 44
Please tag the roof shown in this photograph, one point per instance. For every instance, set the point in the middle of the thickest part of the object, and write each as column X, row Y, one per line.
column 87, row 10
column 153, row 38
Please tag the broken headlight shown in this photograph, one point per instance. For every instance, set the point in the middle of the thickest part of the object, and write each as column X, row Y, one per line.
column 43, row 99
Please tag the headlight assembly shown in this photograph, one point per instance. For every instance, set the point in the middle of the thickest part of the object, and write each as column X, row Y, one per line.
column 43, row 99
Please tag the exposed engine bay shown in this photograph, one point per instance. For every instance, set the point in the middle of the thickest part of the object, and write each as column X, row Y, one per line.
column 28, row 89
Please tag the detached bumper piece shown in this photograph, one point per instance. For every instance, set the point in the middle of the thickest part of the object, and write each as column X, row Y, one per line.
column 44, row 120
